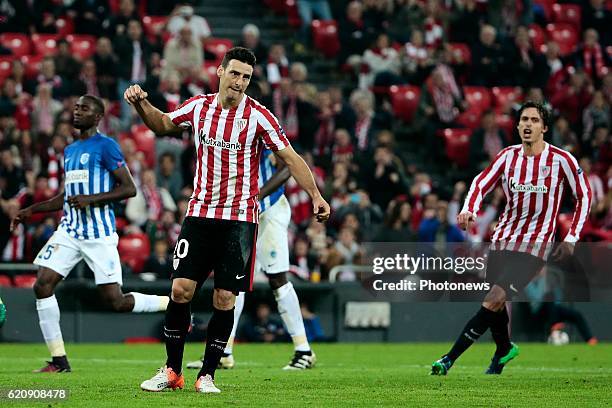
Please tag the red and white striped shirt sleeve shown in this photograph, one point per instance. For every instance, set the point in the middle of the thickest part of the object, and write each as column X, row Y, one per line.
column 182, row 116
column 484, row 182
column 581, row 190
column 272, row 133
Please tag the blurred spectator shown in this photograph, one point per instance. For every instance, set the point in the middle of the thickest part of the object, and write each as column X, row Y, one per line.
column 345, row 251
column 312, row 324
column 166, row 228
column 465, row 20
column 263, row 328
column 302, row 258
column 591, row 57
column 563, row 136
column 597, row 15
column 88, row 16
column 183, row 15
column 251, row 39
column 150, row 201
column 436, row 228
column 324, row 136
column 277, row 66
column 487, row 60
column 107, row 67
column 18, row 75
column 573, row 97
column 366, row 214
column 298, row 72
column 87, row 82
column 168, row 176
column 525, row 67
column 134, row 51
column 44, row 110
column 339, row 185
column 486, row 142
column 595, row 115
column 116, row 24
column 376, row 14
column 353, row 35
column 308, row 9
column 160, row 261
column 383, row 64
column 396, row 227
column 383, row 177
column 12, row 184
column 343, row 149
column 407, row 16
column 49, row 76
column 183, row 56
column 598, row 204
column 416, row 58
column 66, row 65
column 362, row 102
column 433, row 25
column 556, row 71
column 53, row 158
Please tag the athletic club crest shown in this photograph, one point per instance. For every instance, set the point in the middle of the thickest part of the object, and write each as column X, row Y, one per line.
column 241, row 124
column 545, row 170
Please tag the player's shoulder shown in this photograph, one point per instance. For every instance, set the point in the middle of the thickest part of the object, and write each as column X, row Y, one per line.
column 203, row 99
column 561, row 154
column 105, row 141
column 256, row 106
column 512, row 149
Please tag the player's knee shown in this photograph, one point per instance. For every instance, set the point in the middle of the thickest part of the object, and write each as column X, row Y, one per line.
column 223, row 299
column 43, row 288
column 181, row 294
column 277, row 280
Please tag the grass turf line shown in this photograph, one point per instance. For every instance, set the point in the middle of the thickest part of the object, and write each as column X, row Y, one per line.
column 346, row 375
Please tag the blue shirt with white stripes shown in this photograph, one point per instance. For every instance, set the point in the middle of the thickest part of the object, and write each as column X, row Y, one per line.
column 266, row 170
column 88, row 167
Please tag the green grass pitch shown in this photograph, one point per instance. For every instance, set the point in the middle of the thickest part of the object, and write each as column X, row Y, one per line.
column 346, row 375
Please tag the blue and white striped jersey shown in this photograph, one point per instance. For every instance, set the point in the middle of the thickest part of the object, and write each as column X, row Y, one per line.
column 88, row 167
column 266, row 170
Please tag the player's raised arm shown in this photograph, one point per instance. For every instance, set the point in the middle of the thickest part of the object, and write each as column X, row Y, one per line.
column 483, row 183
column 581, row 190
column 159, row 122
column 53, row 204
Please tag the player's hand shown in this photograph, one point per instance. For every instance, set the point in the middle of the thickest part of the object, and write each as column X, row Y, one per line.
column 134, row 94
column 321, row 209
column 22, row 216
column 464, row 219
column 80, row 201
column 563, row 251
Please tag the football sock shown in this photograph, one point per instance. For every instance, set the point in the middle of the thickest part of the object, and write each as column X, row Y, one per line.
column 471, row 332
column 49, row 320
column 178, row 319
column 499, row 330
column 219, row 329
column 149, row 303
column 289, row 309
column 237, row 312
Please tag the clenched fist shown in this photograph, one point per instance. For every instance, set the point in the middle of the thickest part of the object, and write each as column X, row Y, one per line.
column 465, row 219
column 134, row 94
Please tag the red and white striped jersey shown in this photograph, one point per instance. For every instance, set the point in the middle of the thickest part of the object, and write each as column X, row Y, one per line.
column 228, row 144
column 533, row 186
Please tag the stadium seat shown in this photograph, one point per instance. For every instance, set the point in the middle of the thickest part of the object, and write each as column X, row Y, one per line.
column 5, row 280
column 405, row 101
column 504, row 95
column 469, row 119
column 32, row 64
column 461, row 52
column 325, row 37
column 24, row 281
column 537, row 35
column 565, row 35
column 217, row 47
column 457, row 145
column 145, row 142
column 82, row 46
column 151, row 24
column 506, row 123
column 6, row 67
column 18, row 43
column 134, row 249
column 477, row 97
column 293, row 15
column 45, row 44
column 64, row 25
column 567, row 13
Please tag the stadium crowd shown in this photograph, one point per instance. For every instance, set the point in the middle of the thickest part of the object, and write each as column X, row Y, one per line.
column 427, row 99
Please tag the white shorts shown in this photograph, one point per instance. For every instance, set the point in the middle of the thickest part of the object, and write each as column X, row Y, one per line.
column 272, row 238
column 62, row 252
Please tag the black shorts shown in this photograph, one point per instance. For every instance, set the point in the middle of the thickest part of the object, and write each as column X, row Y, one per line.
column 512, row 270
column 223, row 246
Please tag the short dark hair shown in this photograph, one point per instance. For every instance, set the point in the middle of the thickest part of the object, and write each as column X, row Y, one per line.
column 541, row 108
column 97, row 102
column 241, row 54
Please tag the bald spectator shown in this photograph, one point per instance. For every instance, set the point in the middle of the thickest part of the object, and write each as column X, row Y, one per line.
column 251, row 39
column 117, row 24
column 487, row 59
column 106, row 68
column 183, row 15
column 183, row 56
